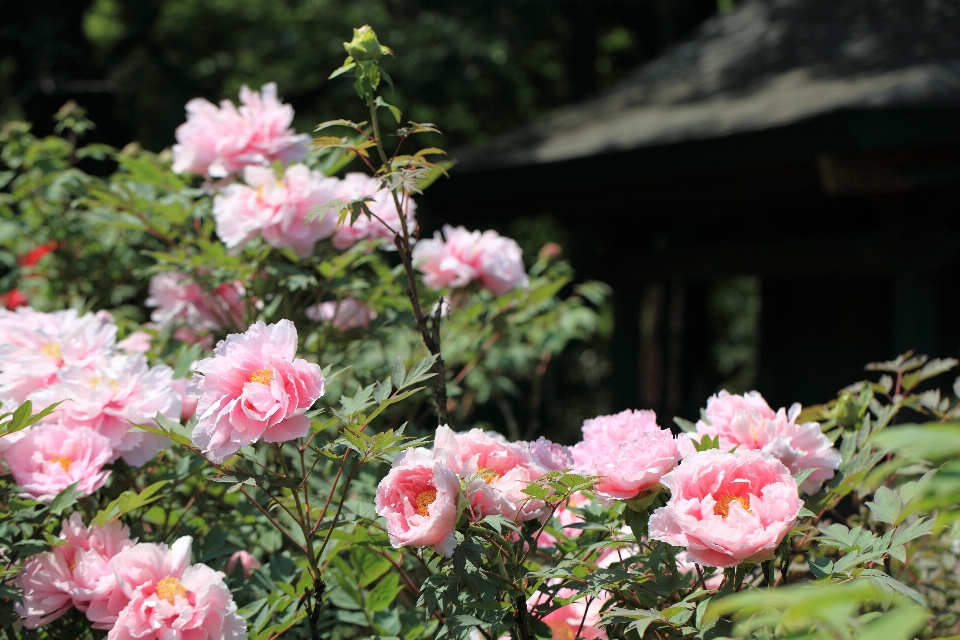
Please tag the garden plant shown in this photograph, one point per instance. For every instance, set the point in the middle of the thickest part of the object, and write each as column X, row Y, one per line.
column 244, row 397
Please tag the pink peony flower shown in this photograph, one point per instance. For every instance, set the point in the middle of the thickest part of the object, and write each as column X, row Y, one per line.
column 166, row 597
column 177, row 298
column 359, row 185
column 567, row 619
column 136, row 342
column 727, row 508
column 188, row 403
column 51, row 457
column 34, row 346
column 344, row 315
column 550, row 455
column 628, row 450
column 748, row 422
column 459, row 257
column 108, row 399
column 254, row 387
column 276, row 208
column 419, row 499
column 219, row 142
column 247, row 563
column 496, row 472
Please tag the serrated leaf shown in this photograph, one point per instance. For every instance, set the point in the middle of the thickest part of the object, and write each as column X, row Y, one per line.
column 886, row 505
column 65, row 498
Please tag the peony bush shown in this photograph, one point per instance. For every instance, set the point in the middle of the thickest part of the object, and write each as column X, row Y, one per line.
column 242, row 397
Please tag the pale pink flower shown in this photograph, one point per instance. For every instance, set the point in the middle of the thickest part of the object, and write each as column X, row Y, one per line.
column 496, row 472
column 344, row 315
column 46, row 582
column 49, row 458
column 355, row 186
column 566, row 620
column 175, row 297
column 687, row 566
column 188, row 403
column 41, row 344
column 420, row 499
column 254, row 387
column 111, row 399
column 747, row 422
column 458, row 257
column 628, row 450
column 168, row 598
column 276, row 208
column 550, row 455
column 219, row 142
column 727, row 508
column 246, row 560
column 136, row 342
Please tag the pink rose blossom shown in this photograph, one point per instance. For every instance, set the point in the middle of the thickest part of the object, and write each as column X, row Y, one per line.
column 247, row 563
column 344, row 315
column 727, row 508
column 628, row 450
column 459, row 257
column 219, row 142
column 276, row 209
column 748, row 422
column 254, row 387
column 175, row 297
column 419, row 499
column 108, row 399
column 49, row 458
column 359, row 185
column 168, row 598
column 496, row 472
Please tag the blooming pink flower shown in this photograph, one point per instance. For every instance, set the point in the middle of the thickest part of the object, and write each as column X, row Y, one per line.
column 581, row 615
column 247, row 563
column 276, row 208
column 169, row 598
column 219, row 142
column 628, row 450
column 550, row 455
column 419, row 499
column 344, row 315
column 748, row 422
column 359, row 185
column 108, row 399
column 254, row 387
column 188, row 403
column 177, row 298
column 727, row 508
column 459, row 257
column 136, row 342
column 496, row 472
column 688, row 566
column 49, row 458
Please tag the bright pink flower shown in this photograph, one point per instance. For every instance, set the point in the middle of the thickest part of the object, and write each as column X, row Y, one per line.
column 276, row 208
column 459, row 257
column 344, row 315
column 727, row 508
column 49, row 458
column 419, row 499
column 167, row 598
column 628, row 450
column 219, row 142
column 359, row 185
column 175, row 297
column 247, row 563
column 136, row 342
column 13, row 299
column 747, row 422
column 496, row 472
column 188, row 403
column 254, row 387
column 108, row 399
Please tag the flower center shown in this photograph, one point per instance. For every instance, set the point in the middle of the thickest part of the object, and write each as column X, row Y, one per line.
column 424, row 500
column 489, row 475
column 263, row 376
column 169, row 588
column 722, row 508
column 64, row 462
column 52, row 349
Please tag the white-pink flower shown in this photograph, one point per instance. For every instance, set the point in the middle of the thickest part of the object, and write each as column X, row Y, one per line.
column 276, row 208
column 628, row 450
column 254, row 387
column 748, row 422
column 175, row 297
column 344, row 315
column 136, row 342
column 458, row 257
column 168, row 598
column 188, row 403
column 419, row 499
column 108, row 399
column 248, row 563
column 727, row 508
column 219, row 142
column 355, row 186
column 51, row 457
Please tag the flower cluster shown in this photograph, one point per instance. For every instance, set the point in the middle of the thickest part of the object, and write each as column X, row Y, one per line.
column 459, row 257
column 133, row 590
column 177, row 299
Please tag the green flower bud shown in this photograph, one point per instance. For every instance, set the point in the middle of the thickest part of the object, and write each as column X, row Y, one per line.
column 364, row 45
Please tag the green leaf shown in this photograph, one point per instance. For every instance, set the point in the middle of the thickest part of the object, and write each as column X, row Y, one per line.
column 383, row 595
column 800, row 476
column 886, row 505
column 129, row 501
column 64, row 499
column 397, row 114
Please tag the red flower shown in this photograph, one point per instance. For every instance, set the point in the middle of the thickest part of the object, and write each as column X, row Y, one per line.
column 33, row 256
column 13, row 299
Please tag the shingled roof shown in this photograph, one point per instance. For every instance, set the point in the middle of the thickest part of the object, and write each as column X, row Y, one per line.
column 766, row 64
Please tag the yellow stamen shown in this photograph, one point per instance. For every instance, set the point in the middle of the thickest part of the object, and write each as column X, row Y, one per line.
column 52, row 349
column 722, row 508
column 489, row 475
column 424, row 500
column 263, row 376
column 169, row 588
column 64, row 462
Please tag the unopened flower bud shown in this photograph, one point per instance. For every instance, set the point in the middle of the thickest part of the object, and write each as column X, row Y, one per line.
column 364, row 45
